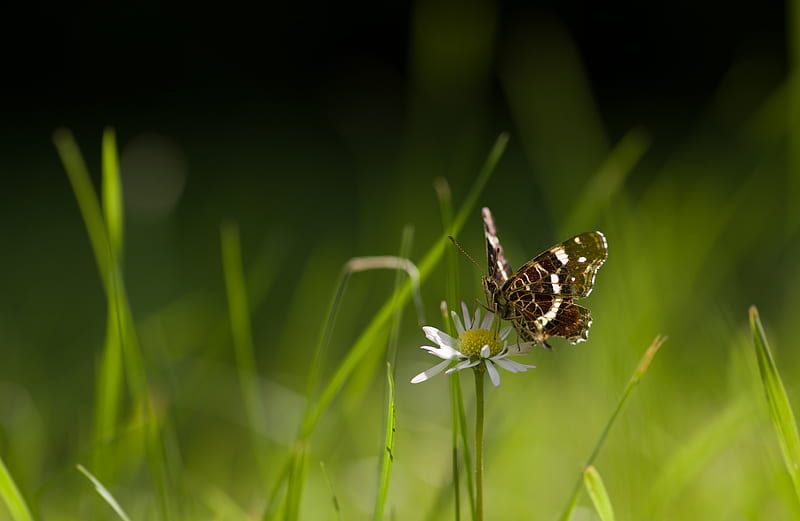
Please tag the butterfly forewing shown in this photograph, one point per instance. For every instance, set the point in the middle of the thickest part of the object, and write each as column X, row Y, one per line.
column 567, row 269
column 499, row 267
column 537, row 298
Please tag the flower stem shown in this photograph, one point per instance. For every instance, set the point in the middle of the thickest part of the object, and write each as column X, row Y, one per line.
column 479, row 371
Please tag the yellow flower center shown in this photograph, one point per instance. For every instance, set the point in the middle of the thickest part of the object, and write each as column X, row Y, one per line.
column 471, row 342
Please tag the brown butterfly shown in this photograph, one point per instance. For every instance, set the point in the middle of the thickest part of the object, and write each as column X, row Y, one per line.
column 537, row 298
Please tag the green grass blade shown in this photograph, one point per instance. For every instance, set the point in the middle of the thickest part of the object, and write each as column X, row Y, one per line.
column 607, row 181
column 239, row 313
column 140, row 392
column 223, row 506
column 388, row 451
column 334, row 498
column 460, row 447
column 87, row 198
column 297, row 478
column 113, row 207
column 636, row 377
column 695, row 454
column 361, row 380
column 597, row 491
column 108, row 387
column 109, row 376
column 12, row 497
column 104, row 493
column 780, row 409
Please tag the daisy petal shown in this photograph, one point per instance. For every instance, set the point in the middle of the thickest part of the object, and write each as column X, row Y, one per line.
column 504, row 332
column 457, row 321
column 477, row 319
column 493, row 374
column 429, row 373
column 465, row 311
column 440, row 337
column 487, row 320
column 486, row 351
column 462, row 365
column 512, row 366
column 444, row 352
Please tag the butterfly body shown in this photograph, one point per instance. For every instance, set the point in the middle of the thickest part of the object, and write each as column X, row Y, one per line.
column 538, row 298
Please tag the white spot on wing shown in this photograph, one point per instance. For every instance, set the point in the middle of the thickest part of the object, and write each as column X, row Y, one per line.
column 581, row 259
column 551, row 313
column 561, row 255
column 577, row 240
column 556, row 285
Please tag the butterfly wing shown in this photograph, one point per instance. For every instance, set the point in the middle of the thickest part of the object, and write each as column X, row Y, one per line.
column 539, row 296
column 499, row 267
column 538, row 316
column 567, row 269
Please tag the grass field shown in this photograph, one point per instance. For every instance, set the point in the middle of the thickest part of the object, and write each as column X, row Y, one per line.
column 195, row 334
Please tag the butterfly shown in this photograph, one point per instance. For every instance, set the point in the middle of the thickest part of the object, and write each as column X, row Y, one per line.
column 538, row 297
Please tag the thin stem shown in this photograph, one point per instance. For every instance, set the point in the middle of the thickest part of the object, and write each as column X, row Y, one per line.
column 479, row 371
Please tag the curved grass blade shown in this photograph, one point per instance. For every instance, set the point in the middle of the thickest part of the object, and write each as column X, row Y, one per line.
column 239, row 312
column 636, row 377
column 87, row 198
column 12, row 497
column 780, row 409
column 597, row 491
column 104, row 493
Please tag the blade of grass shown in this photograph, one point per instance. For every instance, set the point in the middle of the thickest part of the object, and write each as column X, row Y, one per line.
column 140, row 392
column 636, row 377
column 239, row 313
column 780, row 409
column 360, row 382
column 597, row 491
column 459, row 430
column 85, row 195
column 607, row 181
column 109, row 377
column 388, row 452
column 222, row 505
column 104, row 493
column 113, row 209
column 12, row 497
column 696, row 452
column 334, row 499
column 111, row 275
column 444, row 196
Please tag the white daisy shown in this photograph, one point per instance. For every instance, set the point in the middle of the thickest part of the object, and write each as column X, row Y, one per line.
column 476, row 344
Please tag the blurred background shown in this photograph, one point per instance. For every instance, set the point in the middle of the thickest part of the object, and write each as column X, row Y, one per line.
column 320, row 130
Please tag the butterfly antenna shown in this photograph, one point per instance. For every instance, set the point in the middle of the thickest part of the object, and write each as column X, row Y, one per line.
column 464, row 252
